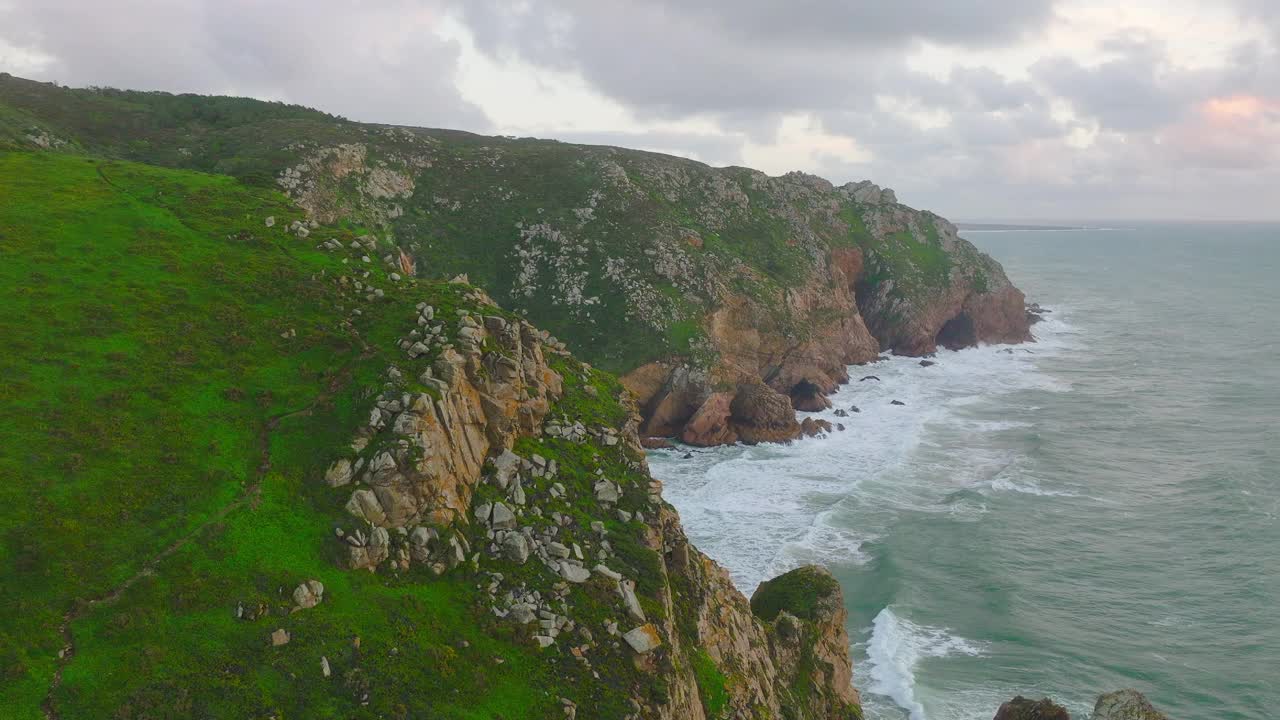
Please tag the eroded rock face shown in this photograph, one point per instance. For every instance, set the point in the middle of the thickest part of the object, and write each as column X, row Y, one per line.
column 848, row 307
column 414, row 501
column 768, row 654
column 436, row 444
column 974, row 303
column 761, row 414
column 711, row 424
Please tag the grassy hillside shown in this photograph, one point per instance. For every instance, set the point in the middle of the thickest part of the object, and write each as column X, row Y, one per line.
column 620, row 253
column 176, row 376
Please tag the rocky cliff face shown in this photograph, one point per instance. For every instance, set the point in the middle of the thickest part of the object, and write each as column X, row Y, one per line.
column 692, row 282
column 492, row 452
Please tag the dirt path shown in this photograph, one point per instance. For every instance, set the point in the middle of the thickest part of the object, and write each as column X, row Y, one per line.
column 248, row 496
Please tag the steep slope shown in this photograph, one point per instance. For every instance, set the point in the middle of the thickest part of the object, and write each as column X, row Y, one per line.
column 253, row 471
column 723, row 294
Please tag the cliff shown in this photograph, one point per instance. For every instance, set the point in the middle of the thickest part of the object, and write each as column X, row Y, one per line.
column 721, row 295
column 520, row 466
column 258, row 473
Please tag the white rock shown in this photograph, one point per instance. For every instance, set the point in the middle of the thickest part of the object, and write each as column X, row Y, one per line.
column 339, row 473
column 627, row 590
column 503, row 518
column 574, row 573
column 643, row 639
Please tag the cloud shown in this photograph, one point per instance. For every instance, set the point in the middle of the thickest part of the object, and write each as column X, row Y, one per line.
column 740, row 56
column 380, row 62
column 969, row 107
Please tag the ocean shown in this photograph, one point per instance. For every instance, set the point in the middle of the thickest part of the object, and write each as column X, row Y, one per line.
column 1096, row 510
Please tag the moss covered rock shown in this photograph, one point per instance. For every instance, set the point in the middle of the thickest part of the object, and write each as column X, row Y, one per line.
column 806, row 592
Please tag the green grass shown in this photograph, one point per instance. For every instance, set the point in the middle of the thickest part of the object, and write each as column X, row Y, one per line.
column 799, row 592
column 712, row 685
column 144, row 365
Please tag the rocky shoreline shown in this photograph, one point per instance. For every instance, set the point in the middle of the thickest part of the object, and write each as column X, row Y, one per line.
column 1126, row 704
column 759, row 381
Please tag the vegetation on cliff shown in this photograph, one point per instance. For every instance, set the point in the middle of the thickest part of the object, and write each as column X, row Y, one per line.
column 625, row 255
column 189, row 361
column 230, row 394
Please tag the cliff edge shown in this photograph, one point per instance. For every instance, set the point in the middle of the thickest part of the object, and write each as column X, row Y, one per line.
column 727, row 299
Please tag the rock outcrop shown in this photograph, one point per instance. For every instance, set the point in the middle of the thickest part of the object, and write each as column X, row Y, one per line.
column 1126, row 704
column 484, row 473
column 1119, row 705
column 686, row 279
column 1021, row 708
column 420, row 455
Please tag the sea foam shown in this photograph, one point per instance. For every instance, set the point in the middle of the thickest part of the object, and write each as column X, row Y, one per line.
column 895, row 650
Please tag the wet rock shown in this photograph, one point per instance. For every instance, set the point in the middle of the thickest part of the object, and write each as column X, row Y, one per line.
column 927, row 363
column 1021, row 708
column 761, row 414
column 812, row 427
column 711, row 424
column 896, row 402
column 869, row 377
column 1125, row 705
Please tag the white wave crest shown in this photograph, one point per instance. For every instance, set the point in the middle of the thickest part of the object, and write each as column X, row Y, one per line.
column 896, row 648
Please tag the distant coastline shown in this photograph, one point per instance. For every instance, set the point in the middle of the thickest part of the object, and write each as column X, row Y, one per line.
column 1012, row 227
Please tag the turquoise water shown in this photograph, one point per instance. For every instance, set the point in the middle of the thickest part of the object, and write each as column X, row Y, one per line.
column 1100, row 509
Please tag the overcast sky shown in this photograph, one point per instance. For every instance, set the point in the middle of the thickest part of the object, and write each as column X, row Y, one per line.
column 979, row 109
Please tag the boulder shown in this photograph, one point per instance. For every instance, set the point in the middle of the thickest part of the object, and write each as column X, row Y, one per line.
column 1125, row 705
column 607, row 491
column 711, row 424
column 516, row 548
column 627, row 590
column 574, row 573
column 308, row 594
column 364, row 505
column 502, row 518
column 643, row 639
column 506, row 465
column 279, row 637
column 1021, row 708
column 339, row 473
column 761, row 414
column 814, row 426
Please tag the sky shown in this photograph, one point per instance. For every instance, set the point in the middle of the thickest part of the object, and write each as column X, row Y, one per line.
column 977, row 109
